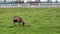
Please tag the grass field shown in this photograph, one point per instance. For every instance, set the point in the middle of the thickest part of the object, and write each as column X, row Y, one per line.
column 37, row 21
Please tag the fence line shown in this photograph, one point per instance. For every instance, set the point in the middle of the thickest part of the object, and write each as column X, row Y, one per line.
column 31, row 5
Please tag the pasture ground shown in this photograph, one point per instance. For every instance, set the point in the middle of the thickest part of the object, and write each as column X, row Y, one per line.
column 37, row 20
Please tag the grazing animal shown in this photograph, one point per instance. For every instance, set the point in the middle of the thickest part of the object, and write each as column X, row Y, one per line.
column 18, row 19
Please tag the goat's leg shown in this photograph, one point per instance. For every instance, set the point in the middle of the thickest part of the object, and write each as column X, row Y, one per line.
column 14, row 22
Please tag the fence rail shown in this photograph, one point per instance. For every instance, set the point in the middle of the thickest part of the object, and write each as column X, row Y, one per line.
column 31, row 5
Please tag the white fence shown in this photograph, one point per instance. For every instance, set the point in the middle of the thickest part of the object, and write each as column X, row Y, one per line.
column 31, row 5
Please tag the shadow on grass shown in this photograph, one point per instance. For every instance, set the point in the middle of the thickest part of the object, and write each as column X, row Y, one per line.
column 19, row 26
column 10, row 26
column 57, row 27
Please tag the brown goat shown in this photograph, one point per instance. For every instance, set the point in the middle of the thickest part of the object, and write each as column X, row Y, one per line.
column 18, row 19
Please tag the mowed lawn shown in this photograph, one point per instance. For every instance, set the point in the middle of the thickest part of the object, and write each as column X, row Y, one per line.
column 37, row 20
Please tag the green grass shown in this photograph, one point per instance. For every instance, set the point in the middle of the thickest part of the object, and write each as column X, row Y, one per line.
column 37, row 21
